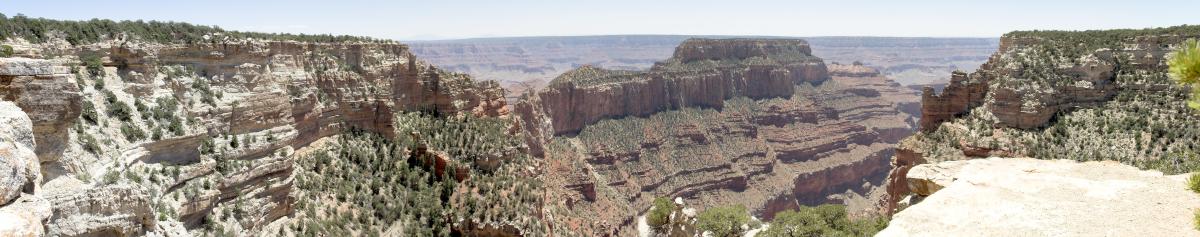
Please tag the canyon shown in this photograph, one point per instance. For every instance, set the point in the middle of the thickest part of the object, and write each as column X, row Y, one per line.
column 103, row 167
column 135, row 128
column 754, row 122
column 524, row 64
column 1102, row 98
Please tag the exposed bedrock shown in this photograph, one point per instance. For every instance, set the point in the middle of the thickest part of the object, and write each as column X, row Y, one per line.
column 759, row 123
column 46, row 91
column 693, row 78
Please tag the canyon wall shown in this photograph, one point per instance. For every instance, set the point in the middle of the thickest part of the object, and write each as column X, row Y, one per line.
column 586, row 95
column 202, row 126
column 760, row 123
column 1092, row 95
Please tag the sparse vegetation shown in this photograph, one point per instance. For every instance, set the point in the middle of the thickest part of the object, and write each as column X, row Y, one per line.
column 823, row 220
column 89, row 112
column 381, row 183
column 132, row 133
column 6, row 50
column 1194, row 182
column 95, row 67
column 39, row 30
column 723, row 221
column 660, row 213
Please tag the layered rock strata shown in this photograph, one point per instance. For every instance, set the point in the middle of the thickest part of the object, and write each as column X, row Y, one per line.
column 208, row 124
column 720, row 123
column 703, row 73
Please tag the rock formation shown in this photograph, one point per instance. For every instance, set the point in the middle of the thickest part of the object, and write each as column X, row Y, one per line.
column 1023, row 196
column 16, row 154
column 1084, row 96
column 178, row 132
column 525, row 64
column 45, row 89
column 754, row 122
column 588, row 94
column 23, row 213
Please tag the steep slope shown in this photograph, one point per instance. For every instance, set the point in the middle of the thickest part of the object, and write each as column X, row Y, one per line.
column 200, row 131
column 1090, row 95
column 757, row 122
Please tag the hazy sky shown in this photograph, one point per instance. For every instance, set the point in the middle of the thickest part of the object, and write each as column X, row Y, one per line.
column 440, row 19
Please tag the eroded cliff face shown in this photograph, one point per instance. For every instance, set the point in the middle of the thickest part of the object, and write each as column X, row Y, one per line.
column 752, row 122
column 703, row 73
column 161, row 138
column 1098, row 95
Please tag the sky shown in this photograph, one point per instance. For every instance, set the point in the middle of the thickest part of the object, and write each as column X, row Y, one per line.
column 454, row 19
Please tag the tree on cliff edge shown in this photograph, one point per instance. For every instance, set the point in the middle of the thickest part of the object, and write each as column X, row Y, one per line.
column 1185, row 68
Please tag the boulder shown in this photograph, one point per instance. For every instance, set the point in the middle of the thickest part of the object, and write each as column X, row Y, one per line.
column 17, row 158
column 24, row 217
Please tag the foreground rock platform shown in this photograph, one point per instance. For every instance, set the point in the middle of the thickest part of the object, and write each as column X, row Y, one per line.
column 1031, row 197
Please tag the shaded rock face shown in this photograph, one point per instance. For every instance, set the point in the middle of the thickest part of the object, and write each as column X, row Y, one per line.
column 963, row 93
column 693, row 78
column 17, row 159
column 1031, row 197
column 46, row 90
column 897, row 183
column 117, row 210
column 754, row 128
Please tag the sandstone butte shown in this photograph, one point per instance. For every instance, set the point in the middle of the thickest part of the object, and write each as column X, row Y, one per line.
column 761, row 123
column 1032, row 197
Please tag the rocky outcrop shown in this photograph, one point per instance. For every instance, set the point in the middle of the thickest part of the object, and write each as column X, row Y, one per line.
column 243, row 107
column 22, row 170
column 1023, row 196
column 115, row 210
column 25, row 216
column 46, row 90
column 693, row 78
column 963, row 93
column 723, row 122
column 852, row 70
column 897, row 182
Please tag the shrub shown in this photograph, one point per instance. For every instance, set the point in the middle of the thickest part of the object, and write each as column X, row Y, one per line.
column 1185, row 68
column 725, row 221
column 176, row 127
column 93, row 64
column 89, row 112
column 132, row 133
column 823, row 220
column 6, row 51
column 99, row 83
column 207, row 146
column 120, row 110
column 660, row 213
column 1196, row 219
column 793, row 223
column 111, row 177
column 89, row 144
column 1194, row 182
